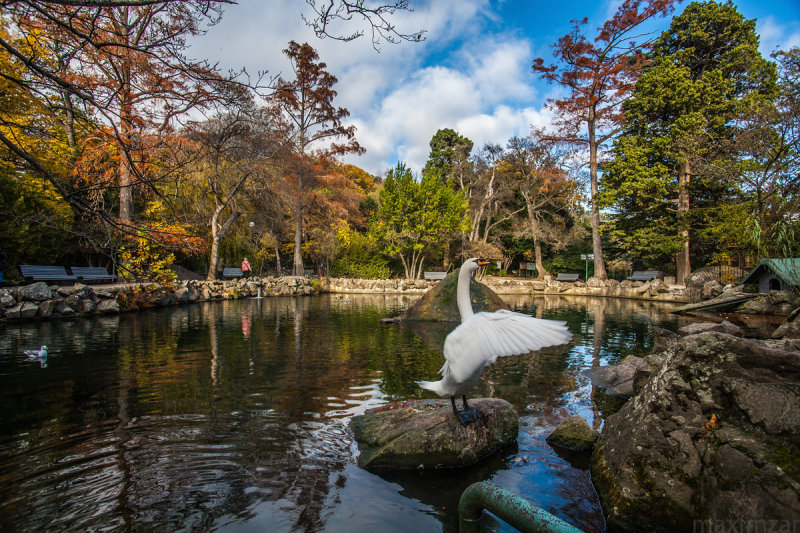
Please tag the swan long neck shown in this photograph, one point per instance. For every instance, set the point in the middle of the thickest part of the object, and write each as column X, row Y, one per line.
column 462, row 294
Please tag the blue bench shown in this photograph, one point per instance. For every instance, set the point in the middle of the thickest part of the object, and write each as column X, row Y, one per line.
column 566, row 276
column 45, row 273
column 232, row 272
column 92, row 273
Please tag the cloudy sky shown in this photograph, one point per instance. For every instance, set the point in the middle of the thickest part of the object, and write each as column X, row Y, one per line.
column 471, row 74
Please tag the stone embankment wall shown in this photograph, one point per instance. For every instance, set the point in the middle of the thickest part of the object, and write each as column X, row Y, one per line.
column 650, row 290
column 40, row 300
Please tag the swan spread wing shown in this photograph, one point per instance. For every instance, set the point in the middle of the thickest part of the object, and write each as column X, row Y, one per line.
column 486, row 336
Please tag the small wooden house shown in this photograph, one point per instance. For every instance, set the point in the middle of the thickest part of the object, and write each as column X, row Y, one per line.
column 775, row 275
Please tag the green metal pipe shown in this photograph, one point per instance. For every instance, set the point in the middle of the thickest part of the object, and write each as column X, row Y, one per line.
column 507, row 506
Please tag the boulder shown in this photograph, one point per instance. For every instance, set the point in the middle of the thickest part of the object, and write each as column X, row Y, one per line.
column 789, row 329
column 701, row 327
column 22, row 310
column 713, row 435
column 36, row 292
column 45, row 309
column 574, row 433
column 711, row 289
column 108, row 307
column 696, row 282
column 60, row 307
column 439, row 303
column 616, row 379
column 426, row 434
column 6, row 299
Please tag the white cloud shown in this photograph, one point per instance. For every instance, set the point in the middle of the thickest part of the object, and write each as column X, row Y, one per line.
column 481, row 86
column 777, row 36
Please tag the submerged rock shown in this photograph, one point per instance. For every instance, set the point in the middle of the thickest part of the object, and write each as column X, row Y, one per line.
column 573, row 434
column 714, row 434
column 616, row 379
column 426, row 434
column 439, row 303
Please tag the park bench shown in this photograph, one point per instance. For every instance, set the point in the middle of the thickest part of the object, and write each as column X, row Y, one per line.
column 434, row 275
column 232, row 272
column 45, row 273
column 92, row 274
column 645, row 275
column 566, row 276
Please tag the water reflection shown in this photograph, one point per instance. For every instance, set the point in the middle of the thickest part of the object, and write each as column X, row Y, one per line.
column 233, row 415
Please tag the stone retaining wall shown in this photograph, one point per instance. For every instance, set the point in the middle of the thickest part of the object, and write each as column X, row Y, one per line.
column 39, row 300
column 649, row 290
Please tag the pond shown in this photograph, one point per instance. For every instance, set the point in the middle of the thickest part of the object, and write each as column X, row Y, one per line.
column 233, row 416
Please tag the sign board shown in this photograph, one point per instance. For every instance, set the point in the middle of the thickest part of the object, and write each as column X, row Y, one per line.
column 589, row 257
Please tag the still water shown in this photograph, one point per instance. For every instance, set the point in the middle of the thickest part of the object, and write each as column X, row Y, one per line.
column 233, row 416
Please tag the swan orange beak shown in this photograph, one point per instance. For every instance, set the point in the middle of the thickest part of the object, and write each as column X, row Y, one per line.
column 482, row 262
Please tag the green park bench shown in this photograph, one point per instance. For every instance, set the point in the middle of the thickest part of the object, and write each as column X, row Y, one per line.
column 567, row 276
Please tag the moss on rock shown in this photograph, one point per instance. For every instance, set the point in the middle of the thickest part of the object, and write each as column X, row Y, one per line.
column 573, row 434
column 439, row 303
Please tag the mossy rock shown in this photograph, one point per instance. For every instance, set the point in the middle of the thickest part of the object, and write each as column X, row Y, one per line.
column 440, row 302
column 573, row 434
column 426, row 434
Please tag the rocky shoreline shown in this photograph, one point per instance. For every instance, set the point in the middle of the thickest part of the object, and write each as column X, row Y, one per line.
column 710, row 434
column 40, row 300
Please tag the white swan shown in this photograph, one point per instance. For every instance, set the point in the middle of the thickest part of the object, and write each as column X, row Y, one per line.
column 483, row 337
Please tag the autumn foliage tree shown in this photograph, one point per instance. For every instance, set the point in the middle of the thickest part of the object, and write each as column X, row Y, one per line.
column 547, row 191
column 599, row 74
column 115, row 79
column 316, row 129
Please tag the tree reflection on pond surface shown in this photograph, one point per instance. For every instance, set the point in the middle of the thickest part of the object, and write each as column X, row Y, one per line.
column 232, row 416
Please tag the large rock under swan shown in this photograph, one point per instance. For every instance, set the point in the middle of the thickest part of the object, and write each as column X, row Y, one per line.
column 426, row 434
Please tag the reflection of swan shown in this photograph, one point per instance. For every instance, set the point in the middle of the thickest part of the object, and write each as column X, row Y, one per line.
column 483, row 337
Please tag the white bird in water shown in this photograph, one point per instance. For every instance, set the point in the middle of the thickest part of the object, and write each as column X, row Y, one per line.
column 41, row 353
column 483, row 337
column 38, row 355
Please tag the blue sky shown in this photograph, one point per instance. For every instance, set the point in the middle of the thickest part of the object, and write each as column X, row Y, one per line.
column 472, row 74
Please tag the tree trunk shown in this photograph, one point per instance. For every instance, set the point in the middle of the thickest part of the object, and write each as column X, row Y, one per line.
column 597, row 244
column 541, row 272
column 277, row 259
column 537, row 252
column 217, row 234
column 682, row 264
column 297, row 263
column 214, row 255
column 125, row 126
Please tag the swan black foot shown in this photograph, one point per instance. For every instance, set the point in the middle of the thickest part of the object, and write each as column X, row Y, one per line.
column 468, row 415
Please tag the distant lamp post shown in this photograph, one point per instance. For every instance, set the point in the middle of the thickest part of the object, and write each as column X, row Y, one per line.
column 252, row 224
